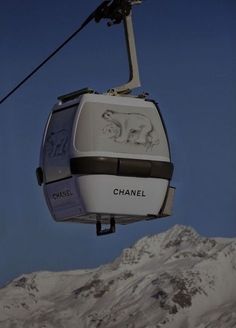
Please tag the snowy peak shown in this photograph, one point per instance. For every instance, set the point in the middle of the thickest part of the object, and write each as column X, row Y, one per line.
column 173, row 279
column 179, row 242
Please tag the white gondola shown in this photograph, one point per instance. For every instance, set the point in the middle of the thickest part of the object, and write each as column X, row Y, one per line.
column 105, row 158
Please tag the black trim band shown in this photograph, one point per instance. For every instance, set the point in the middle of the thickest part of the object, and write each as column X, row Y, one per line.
column 122, row 167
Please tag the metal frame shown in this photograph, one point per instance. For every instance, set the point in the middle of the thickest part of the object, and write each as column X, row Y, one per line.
column 105, row 231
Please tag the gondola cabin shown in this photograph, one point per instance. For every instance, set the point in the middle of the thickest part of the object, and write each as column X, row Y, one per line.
column 105, row 159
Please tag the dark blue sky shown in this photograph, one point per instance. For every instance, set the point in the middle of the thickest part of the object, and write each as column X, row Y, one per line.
column 187, row 58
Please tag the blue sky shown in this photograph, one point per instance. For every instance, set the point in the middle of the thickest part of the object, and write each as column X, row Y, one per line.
column 187, row 57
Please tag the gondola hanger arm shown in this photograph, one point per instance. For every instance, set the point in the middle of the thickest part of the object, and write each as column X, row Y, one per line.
column 118, row 11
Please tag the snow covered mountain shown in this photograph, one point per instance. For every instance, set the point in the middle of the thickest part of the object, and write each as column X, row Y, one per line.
column 175, row 279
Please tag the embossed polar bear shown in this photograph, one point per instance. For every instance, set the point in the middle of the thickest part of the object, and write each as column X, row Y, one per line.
column 130, row 124
column 57, row 143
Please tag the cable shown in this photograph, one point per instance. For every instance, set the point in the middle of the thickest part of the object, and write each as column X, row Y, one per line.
column 94, row 14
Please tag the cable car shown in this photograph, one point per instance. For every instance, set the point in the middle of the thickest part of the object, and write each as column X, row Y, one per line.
column 105, row 158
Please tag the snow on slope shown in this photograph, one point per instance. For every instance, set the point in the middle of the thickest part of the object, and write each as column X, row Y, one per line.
column 175, row 279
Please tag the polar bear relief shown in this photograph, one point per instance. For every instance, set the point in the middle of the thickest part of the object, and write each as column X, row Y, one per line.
column 129, row 128
column 57, row 143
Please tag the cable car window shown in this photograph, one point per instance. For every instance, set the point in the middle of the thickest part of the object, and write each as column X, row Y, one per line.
column 121, row 129
column 57, row 144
